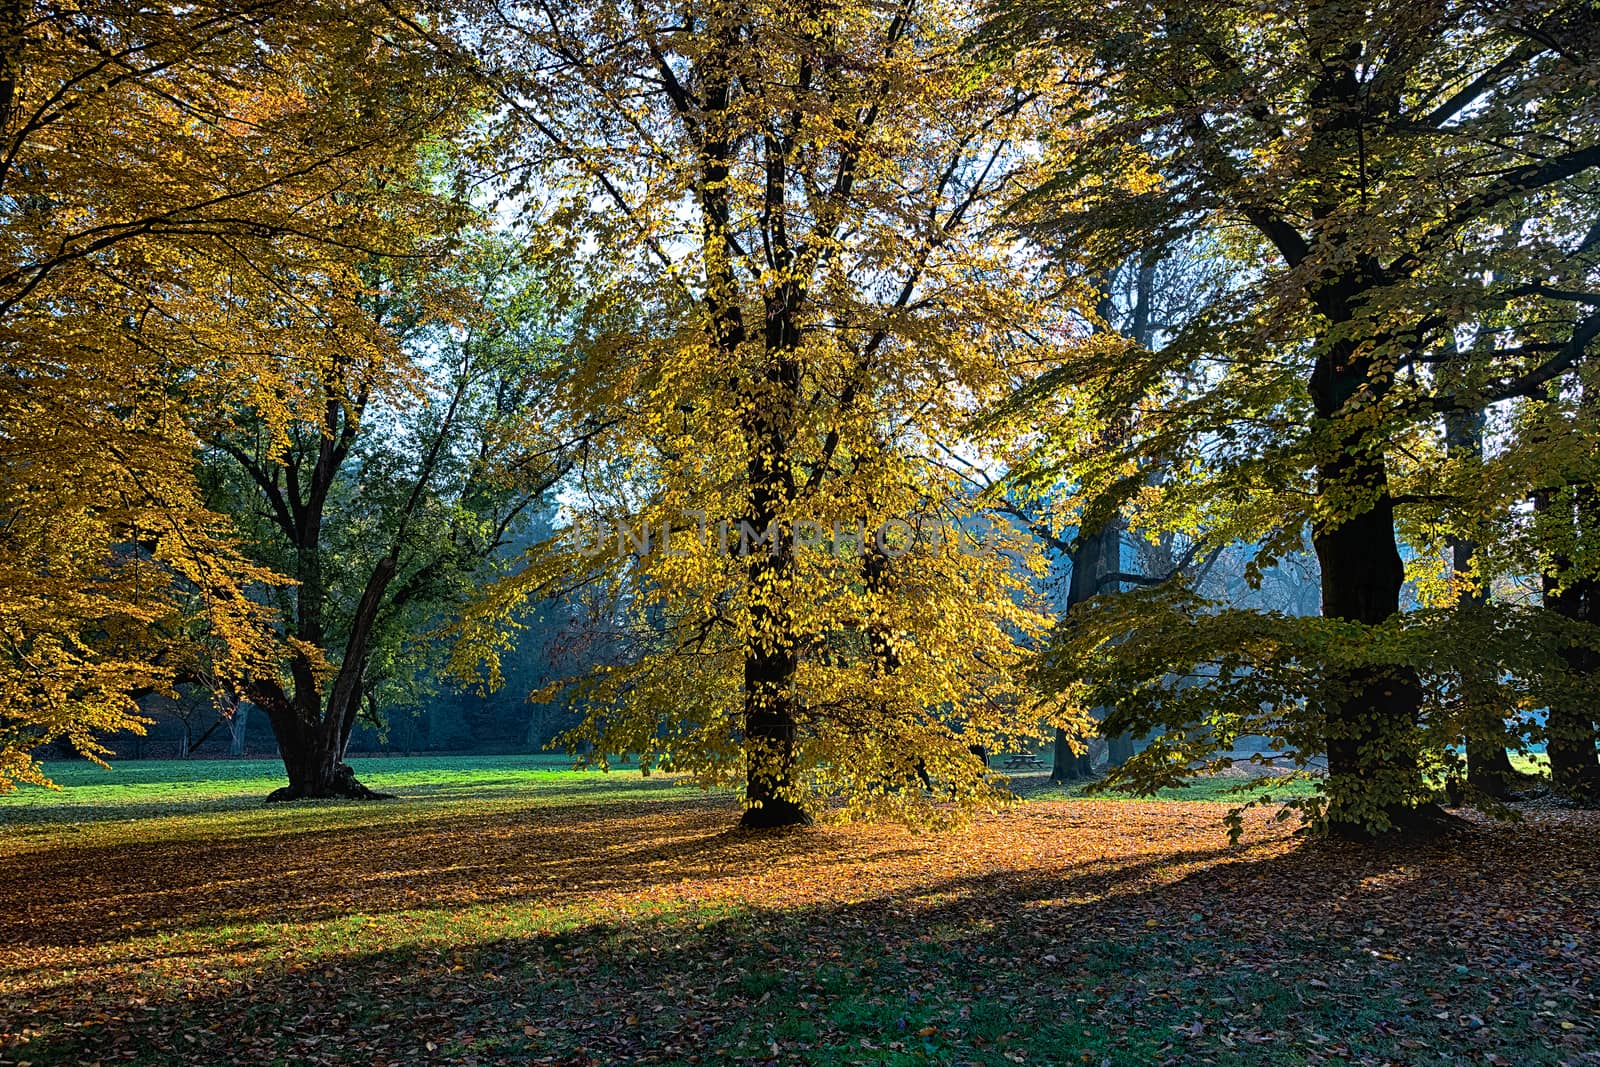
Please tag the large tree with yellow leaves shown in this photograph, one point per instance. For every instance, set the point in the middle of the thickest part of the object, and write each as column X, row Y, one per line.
column 165, row 172
column 787, row 213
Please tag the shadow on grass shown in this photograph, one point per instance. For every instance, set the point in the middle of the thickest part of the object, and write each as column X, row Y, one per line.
column 1323, row 952
column 426, row 857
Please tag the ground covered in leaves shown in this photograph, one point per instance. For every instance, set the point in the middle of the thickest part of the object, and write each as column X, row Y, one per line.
column 506, row 911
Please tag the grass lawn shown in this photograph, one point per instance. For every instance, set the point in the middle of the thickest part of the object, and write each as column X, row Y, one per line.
column 508, row 909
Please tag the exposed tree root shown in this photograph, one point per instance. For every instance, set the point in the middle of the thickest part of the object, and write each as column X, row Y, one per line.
column 773, row 815
column 343, row 785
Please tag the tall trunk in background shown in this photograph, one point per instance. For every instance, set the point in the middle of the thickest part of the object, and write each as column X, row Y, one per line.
column 1489, row 770
column 1067, row 765
column 1095, row 555
column 238, row 724
column 1142, row 331
column 1571, row 733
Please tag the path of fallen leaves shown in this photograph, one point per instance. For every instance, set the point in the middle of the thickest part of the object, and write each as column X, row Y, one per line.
column 1059, row 932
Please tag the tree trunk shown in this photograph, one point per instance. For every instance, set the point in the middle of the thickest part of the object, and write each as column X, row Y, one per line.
column 316, row 771
column 237, row 726
column 772, row 795
column 1489, row 770
column 1570, row 729
column 1373, row 775
column 772, row 654
column 770, row 735
column 1095, row 555
column 311, row 746
column 1069, row 766
column 1375, row 782
column 1374, row 779
column 1571, row 735
column 1570, row 732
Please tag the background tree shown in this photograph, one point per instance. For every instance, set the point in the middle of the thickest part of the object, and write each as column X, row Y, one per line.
column 415, row 458
column 1363, row 165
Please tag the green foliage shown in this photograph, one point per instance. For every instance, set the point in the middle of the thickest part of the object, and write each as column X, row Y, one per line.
column 1399, row 198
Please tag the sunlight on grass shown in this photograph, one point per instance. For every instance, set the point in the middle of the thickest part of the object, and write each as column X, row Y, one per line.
column 210, row 799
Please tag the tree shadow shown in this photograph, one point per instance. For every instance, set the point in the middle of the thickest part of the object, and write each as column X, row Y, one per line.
column 82, row 895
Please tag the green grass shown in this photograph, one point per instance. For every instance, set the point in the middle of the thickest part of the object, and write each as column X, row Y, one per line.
column 1211, row 790
column 176, row 800
column 156, row 788
column 182, row 783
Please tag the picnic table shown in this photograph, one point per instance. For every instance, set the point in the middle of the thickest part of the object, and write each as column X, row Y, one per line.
column 1023, row 759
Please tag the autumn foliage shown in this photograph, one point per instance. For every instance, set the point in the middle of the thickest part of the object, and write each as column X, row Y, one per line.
column 787, row 220
column 188, row 196
column 597, row 920
column 893, row 382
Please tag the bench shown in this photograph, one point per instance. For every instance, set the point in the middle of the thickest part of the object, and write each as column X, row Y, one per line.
column 1023, row 759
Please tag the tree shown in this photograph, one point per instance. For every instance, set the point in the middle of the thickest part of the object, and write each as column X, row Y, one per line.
column 788, row 221
column 1565, row 534
column 1364, row 166
column 414, row 453
column 153, row 160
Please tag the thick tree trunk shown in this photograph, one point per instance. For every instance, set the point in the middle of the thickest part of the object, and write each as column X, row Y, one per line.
column 1489, row 770
column 772, row 795
column 772, row 656
column 1096, row 554
column 770, row 735
column 1573, row 729
column 311, row 745
column 1374, row 778
column 313, row 759
column 1070, row 766
column 1571, row 733
column 1373, row 774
